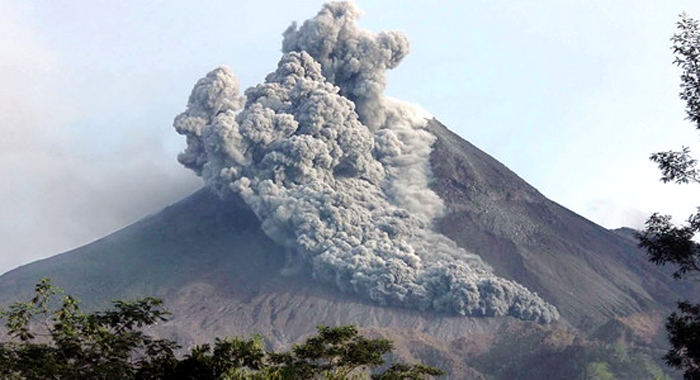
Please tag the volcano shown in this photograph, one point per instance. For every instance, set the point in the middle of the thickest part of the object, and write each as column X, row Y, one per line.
column 220, row 274
column 326, row 203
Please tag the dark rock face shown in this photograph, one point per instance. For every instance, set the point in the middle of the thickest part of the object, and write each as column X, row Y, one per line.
column 159, row 254
column 591, row 274
column 220, row 275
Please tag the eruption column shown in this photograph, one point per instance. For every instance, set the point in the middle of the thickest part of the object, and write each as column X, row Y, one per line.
column 338, row 174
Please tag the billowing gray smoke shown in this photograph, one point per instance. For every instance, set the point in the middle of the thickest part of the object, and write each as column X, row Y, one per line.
column 338, row 174
column 354, row 60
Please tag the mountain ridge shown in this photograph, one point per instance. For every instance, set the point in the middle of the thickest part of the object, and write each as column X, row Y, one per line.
column 527, row 245
column 491, row 211
column 220, row 274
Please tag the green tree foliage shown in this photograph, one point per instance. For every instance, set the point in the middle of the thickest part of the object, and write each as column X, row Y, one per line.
column 65, row 343
column 684, row 334
column 664, row 242
column 54, row 339
column 401, row 371
column 341, row 353
column 334, row 352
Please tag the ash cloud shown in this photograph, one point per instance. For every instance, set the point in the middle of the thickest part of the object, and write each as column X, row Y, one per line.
column 354, row 60
column 338, row 174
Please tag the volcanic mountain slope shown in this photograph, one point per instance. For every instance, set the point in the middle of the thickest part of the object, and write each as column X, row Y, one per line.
column 591, row 274
column 221, row 275
column 325, row 200
column 209, row 257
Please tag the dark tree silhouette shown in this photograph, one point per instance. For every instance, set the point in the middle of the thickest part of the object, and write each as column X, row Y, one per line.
column 665, row 242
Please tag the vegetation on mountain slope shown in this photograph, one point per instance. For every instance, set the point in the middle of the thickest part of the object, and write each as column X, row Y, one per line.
column 53, row 338
column 56, row 340
column 532, row 353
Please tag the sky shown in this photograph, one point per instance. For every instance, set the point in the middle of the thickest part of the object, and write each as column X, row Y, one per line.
column 572, row 96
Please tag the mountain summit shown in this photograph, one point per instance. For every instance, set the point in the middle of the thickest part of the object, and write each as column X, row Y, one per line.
column 589, row 273
column 327, row 203
column 339, row 175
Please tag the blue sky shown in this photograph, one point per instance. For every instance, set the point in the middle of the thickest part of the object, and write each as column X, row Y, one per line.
column 573, row 96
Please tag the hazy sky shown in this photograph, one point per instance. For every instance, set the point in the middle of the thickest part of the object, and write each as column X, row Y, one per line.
column 571, row 95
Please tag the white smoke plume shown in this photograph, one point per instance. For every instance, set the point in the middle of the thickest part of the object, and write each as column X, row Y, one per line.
column 338, row 174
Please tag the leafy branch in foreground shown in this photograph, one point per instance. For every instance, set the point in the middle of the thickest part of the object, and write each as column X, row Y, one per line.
column 64, row 343
column 665, row 243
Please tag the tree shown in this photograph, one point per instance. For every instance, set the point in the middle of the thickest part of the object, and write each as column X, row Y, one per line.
column 340, row 352
column 62, row 342
column 65, row 343
column 664, row 242
column 333, row 352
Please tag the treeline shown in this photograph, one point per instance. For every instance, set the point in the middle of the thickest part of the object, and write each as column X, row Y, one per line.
column 52, row 338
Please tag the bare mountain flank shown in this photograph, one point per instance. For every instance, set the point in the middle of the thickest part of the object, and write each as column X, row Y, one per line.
column 221, row 275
